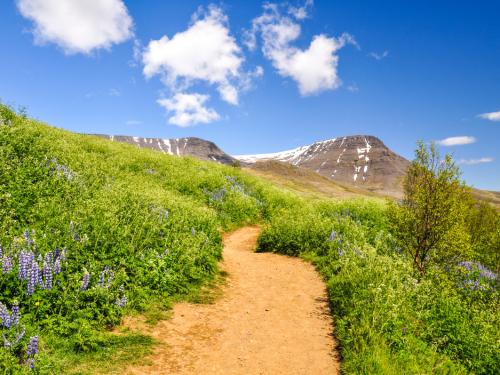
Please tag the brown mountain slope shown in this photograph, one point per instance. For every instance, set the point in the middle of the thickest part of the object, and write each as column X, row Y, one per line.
column 360, row 161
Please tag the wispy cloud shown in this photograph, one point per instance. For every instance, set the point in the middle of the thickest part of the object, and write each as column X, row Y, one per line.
column 379, row 56
column 78, row 26
column 456, row 141
column 475, row 161
column 492, row 116
column 352, row 88
column 114, row 92
column 133, row 122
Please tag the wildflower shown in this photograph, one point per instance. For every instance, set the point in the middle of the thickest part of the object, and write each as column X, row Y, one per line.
column 332, row 236
column 7, row 264
column 33, row 278
column 32, row 348
column 193, row 231
column 57, row 266
column 121, row 302
column 5, row 316
column 47, row 274
column 15, row 313
column 103, row 283
column 85, row 281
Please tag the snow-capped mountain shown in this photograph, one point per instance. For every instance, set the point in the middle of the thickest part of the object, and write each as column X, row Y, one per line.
column 192, row 146
column 358, row 160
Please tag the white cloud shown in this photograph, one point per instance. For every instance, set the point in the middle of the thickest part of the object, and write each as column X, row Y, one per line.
column 379, row 56
column 492, row 116
column 456, row 141
column 189, row 109
column 78, row 26
column 475, row 161
column 205, row 52
column 314, row 68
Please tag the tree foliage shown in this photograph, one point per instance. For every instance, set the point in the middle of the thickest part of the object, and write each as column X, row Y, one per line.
column 429, row 222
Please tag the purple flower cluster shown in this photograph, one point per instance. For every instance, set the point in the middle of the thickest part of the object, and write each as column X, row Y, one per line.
column 85, row 281
column 60, row 170
column 121, row 302
column 477, row 276
column 43, row 276
column 6, row 262
column 106, row 277
column 332, row 236
column 32, row 351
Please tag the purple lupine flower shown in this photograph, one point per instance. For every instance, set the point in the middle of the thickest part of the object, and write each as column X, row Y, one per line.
column 5, row 316
column 15, row 313
column 1, row 252
column 111, row 275
column 24, row 265
column 30, row 362
column 85, row 281
column 332, row 236
column 47, row 275
column 57, row 266
column 32, row 349
column 121, row 302
column 341, row 252
column 33, row 278
column 7, row 264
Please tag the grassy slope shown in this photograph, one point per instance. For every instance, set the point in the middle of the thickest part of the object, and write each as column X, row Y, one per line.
column 305, row 182
column 152, row 219
column 117, row 195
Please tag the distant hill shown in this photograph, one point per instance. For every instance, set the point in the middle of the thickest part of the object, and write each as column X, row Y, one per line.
column 359, row 160
column 197, row 147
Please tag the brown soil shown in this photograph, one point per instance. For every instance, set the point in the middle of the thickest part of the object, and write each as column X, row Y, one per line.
column 272, row 318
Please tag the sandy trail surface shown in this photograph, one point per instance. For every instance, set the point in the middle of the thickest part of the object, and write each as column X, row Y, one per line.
column 272, row 318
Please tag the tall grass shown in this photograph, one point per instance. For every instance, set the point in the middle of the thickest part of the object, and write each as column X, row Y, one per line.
column 388, row 320
column 127, row 227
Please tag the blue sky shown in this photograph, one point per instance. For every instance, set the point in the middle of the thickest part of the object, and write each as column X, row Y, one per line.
column 399, row 70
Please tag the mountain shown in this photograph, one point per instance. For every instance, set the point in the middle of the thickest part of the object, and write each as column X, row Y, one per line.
column 192, row 146
column 360, row 161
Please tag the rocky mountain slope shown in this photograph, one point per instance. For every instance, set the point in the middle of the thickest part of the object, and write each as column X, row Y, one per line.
column 199, row 148
column 361, row 161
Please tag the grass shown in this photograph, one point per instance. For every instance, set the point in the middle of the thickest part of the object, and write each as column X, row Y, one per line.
column 147, row 227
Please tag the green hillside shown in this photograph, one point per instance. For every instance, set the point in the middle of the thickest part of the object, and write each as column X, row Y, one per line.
column 93, row 230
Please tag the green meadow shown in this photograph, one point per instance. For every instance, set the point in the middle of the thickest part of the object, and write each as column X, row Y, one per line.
column 92, row 230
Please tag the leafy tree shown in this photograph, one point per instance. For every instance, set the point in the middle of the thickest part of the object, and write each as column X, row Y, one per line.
column 429, row 222
column 484, row 228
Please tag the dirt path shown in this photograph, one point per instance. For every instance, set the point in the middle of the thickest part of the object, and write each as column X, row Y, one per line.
column 273, row 318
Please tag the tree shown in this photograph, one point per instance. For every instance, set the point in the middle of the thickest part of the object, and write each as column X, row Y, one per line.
column 429, row 223
column 484, row 227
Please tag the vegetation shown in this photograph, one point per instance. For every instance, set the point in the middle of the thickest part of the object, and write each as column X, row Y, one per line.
column 430, row 219
column 92, row 230
column 404, row 301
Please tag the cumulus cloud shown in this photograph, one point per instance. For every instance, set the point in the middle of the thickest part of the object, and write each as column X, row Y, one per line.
column 379, row 56
column 313, row 68
column 78, row 26
column 204, row 52
column 456, row 141
column 475, row 161
column 492, row 116
column 188, row 109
